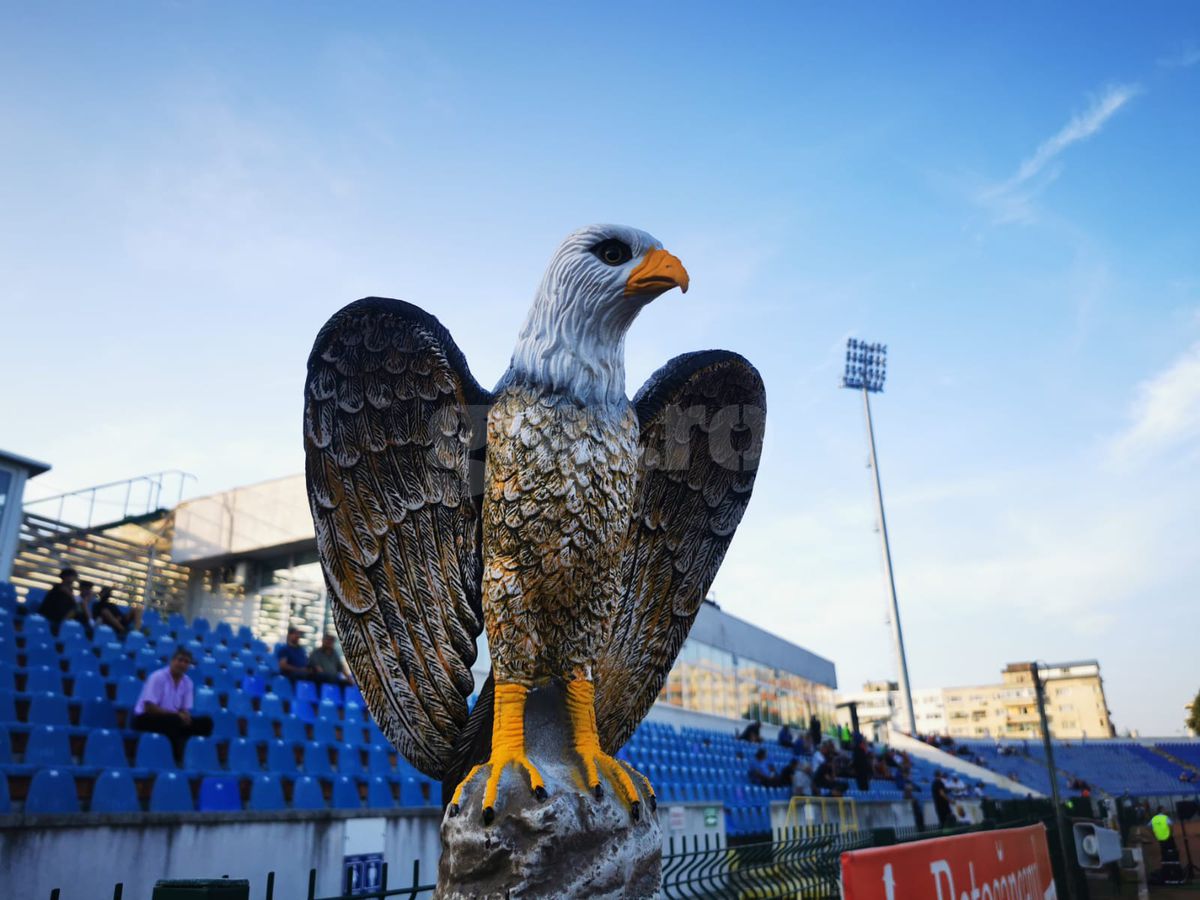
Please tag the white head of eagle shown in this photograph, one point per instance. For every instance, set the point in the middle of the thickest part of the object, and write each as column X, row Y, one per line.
column 573, row 340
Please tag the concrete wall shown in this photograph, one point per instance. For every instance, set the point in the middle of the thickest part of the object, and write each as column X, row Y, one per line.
column 40, row 853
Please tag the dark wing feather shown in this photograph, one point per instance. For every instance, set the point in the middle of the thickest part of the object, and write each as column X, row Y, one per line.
column 702, row 418
column 393, row 426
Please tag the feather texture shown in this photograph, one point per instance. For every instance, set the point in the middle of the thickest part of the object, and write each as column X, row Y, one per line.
column 390, row 419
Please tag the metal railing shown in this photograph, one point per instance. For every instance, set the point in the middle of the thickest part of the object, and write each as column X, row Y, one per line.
column 139, row 495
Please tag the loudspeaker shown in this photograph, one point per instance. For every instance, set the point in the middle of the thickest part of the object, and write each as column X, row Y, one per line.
column 1095, row 846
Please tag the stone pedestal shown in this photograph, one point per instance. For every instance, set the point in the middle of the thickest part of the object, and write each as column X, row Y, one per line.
column 570, row 845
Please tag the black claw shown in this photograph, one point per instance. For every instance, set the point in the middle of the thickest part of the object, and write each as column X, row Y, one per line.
column 653, row 803
column 539, row 792
column 453, row 810
column 598, row 791
column 636, row 810
column 489, row 815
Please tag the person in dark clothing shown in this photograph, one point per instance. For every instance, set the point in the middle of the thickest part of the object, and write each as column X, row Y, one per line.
column 326, row 665
column 165, row 705
column 862, row 764
column 785, row 737
column 752, row 733
column 59, row 603
column 918, row 808
column 105, row 612
column 761, row 772
column 941, row 802
column 824, row 782
column 293, row 661
column 814, row 731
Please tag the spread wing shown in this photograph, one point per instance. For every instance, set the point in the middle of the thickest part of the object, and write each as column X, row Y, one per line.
column 702, row 417
column 392, row 418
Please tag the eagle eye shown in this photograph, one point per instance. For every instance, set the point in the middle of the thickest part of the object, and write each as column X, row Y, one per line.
column 613, row 252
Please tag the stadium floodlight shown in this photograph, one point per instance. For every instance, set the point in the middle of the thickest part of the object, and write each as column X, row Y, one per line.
column 866, row 370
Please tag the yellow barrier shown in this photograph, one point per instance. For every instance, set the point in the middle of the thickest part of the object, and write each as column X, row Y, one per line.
column 797, row 808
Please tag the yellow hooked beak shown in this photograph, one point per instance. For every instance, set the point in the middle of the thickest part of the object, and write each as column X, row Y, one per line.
column 658, row 271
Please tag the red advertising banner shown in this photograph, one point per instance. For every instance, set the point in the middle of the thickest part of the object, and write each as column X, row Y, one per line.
column 1006, row 864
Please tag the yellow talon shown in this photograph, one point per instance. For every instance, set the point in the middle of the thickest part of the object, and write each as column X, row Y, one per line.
column 581, row 706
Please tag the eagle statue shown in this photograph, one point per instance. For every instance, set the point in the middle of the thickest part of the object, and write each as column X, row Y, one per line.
column 582, row 529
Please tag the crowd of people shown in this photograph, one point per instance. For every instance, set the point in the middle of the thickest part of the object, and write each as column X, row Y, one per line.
column 87, row 608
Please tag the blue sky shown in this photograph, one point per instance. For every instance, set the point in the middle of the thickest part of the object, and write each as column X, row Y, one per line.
column 1007, row 197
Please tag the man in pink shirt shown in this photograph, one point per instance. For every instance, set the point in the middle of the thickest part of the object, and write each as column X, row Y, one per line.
column 165, row 705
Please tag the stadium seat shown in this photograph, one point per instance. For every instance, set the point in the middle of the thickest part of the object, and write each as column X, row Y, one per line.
column 41, row 652
column 379, row 760
column 219, row 794
column 80, row 661
column 204, row 702
column 114, row 792
column 332, row 693
column 260, row 728
column 243, row 757
column 354, row 696
column 223, row 632
column 103, row 635
column 48, row 745
column 345, row 793
column 128, row 691
column 200, row 755
column 350, row 761
column 5, row 747
column 35, row 625
column 71, row 629
column 304, row 711
column 325, row 730
column 105, row 749
column 164, row 648
column 134, row 641
column 52, row 791
column 379, row 793
column 240, row 704
column 49, row 709
column 223, row 656
column 151, row 617
column 89, row 686
column 280, row 758
column 5, row 802
column 316, row 760
column 176, row 622
column 271, row 706
column 294, row 731
column 327, row 709
column 266, row 794
column 8, row 706
column 121, row 668
column 306, row 691
column 171, row 793
column 154, row 752
column 225, row 725
column 201, row 625
column 410, row 793
column 306, row 793
column 254, row 686
column 244, row 635
column 352, row 713
column 281, row 687
column 42, row 679
column 97, row 713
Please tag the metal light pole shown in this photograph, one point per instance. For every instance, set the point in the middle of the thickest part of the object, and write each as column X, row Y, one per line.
column 866, row 369
column 1060, row 817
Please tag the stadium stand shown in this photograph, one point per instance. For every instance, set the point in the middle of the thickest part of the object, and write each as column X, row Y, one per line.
column 65, row 745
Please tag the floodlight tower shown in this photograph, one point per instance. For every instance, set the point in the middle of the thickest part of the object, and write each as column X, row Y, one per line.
column 866, row 369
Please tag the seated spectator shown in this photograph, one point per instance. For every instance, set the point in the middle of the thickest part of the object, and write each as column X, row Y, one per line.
column 326, row 665
column 752, row 733
column 785, row 738
column 862, row 763
column 105, row 612
column 293, row 661
column 763, row 773
column 165, row 705
column 824, row 782
column 802, row 781
column 59, row 603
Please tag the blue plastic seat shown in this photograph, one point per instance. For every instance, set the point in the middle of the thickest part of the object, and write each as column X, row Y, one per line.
column 204, row 701
column 8, row 706
column 281, row 687
column 327, row 709
column 41, row 652
column 49, row 709
column 306, row 793
column 5, row 747
column 325, row 731
column 105, row 749
column 151, row 617
column 147, row 661
column 52, row 791
column 121, row 668
column 281, row 758
column 332, row 693
column 48, row 745
column 134, row 641
column 271, row 705
column 114, row 792
column 266, row 793
column 97, row 714
column 304, row 711
column 254, row 686
column 71, row 629
column 222, row 655
column 103, row 634
column 43, row 679
column 82, row 660
column 154, row 752
column 219, row 793
column 5, row 802
column 243, row 757
column 240, row 704
column 176, row 622
column 316, row 760
column 352, row 714
column 379, row 760
column 354, row 696
column 306, row 691
column 410, row 793
column 171, row 793
column 164, row 648
column 244, row 635
column 201, row 625
column 35, row 625
column 379, row 793
column 350, row 761
column 89, row 686
column 225, row 725
column 128, row 691
column 260, row 728
column 294, row 731
column 200, row 755
column 345, row 793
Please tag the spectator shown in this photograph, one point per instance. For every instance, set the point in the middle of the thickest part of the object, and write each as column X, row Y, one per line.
column 814, row 730
column 802, row 785
column 918, row 808
column 87, row 598
column 862, row 764
column 105, row 612
column 752, row 733
column 59, row 603
column 326, row 664
column 165, row 705
column 785, row 737
column 763, row 773
column 823, row 780
column 941, row 802
column 293, row 661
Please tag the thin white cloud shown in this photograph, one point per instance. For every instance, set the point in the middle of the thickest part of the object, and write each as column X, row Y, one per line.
column 1010, row 201
column 1166, row 413
column 1186, row 57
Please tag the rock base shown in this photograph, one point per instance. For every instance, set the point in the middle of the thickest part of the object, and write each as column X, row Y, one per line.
column 570, row 845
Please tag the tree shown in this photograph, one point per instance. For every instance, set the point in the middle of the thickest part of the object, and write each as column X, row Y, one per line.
column 1193, row 719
